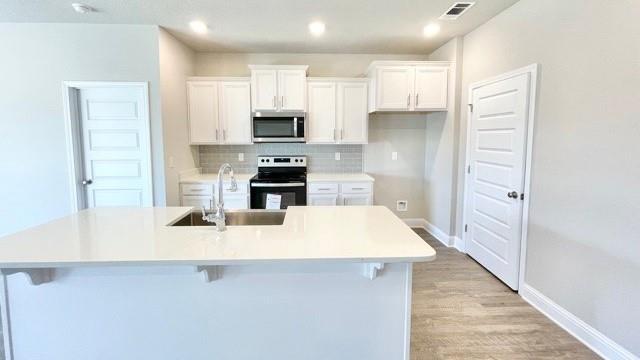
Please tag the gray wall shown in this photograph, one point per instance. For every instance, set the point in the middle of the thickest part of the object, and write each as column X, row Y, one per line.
column 320, row 158
column 35, row 60
column 584, row 245
column 441, row 147
column 177, row 62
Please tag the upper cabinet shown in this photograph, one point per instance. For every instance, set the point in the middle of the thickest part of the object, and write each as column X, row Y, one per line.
column 219, row 111
column 337, row 111
column 278, row 87
column 408, row 86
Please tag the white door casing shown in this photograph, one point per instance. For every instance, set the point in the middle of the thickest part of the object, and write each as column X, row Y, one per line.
column 115, row 145
column 498, row 153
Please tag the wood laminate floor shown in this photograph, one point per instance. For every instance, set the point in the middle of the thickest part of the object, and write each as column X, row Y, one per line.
column 461, row 311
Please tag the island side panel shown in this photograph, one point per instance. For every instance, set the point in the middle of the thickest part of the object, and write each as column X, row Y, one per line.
column 279, row 311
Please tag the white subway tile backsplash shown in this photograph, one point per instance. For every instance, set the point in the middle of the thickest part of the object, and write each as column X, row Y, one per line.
column 321, row 158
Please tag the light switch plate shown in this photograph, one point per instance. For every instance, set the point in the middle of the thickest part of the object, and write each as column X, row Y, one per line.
column 402, row 205
column 240, row 156
column 394, row 155
column 337, row 156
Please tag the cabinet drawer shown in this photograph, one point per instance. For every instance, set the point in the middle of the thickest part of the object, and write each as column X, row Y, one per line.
column 356, row 188
column 197, row 189
column 322, row 188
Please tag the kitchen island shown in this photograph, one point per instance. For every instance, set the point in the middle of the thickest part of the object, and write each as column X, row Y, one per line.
column 122, row 283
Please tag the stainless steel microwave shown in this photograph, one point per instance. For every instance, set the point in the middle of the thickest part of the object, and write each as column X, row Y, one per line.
column 278, row 127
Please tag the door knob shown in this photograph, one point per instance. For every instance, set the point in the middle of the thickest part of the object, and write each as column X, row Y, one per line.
column 87, row 182
column 513, row 195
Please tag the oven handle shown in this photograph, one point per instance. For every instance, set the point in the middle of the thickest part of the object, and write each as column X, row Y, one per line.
column 294, row 184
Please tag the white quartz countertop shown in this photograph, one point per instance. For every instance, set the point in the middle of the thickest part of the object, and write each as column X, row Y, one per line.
column 140, row 236
column 311, row 177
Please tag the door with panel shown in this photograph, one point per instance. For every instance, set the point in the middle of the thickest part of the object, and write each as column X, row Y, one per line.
column 355, row 199
column 353, row 117
column 395, row 88
column 322, row 199
column 322, row 112
column 235, row 112
column 265, row 89
column 291, row 89
column 431, row 83
column 203, row 112
column 114, row 125
column 495, row 179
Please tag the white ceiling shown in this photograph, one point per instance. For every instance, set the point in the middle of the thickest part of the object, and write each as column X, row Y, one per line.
column 353, row 26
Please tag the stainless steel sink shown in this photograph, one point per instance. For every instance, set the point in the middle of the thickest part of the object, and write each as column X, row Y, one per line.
column 236, row 218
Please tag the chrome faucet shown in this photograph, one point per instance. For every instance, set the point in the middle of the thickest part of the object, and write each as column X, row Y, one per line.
column 218, row 217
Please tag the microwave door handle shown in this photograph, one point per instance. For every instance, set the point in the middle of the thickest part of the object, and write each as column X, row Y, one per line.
column 295, row 127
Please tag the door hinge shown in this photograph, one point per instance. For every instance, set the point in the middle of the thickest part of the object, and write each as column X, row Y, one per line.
column 468, row 169
column 522, row 196
column 471, row 107
column 466, row 227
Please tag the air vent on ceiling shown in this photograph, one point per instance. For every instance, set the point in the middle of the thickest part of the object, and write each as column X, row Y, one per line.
column 456, row 10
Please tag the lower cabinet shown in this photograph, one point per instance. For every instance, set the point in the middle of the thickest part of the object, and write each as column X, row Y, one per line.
column 322, row 199
column 236, row 202
column 199, row 195
column 342, row 194
column 197, row 201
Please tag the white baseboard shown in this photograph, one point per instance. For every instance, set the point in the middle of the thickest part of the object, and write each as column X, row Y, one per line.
column 446, row 239
column 591, row 337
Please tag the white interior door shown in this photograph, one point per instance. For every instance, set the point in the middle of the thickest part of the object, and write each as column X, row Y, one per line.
column 322, row 112
column 495, row 179
column 114, row 124
column 235, row 114
column 352, row 116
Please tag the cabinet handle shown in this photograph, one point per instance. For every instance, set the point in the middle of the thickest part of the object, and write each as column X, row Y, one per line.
column 417, row 99
column 197, row 190
column 334, row 134
column 341, row 133
column 325, row 189
column 282, row 102
column 358, row 188
column 224, row 135
column 408, row 100
column 274, row 101
column 216, row 134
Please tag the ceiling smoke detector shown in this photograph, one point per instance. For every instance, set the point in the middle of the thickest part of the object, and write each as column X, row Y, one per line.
column 82, row 8
column 456, row 10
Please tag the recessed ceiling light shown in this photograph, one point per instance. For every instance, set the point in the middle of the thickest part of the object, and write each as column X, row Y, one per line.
column 198, row 27
column 431, row 30
column 316, row 28
column 82, row 8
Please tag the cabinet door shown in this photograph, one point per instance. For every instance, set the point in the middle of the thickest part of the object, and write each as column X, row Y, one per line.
column 431, row 87
column 394, row 87
column 322, row 112
column 197, row 201
column 203, row 112
column 264, row 89
column 235, row 112
column 292, row 89
column 355, row 199
column 322, row 200
column 352, row 115
column 236, row 202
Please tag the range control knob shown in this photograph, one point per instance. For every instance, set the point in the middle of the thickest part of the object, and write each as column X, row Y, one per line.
column 261, row 160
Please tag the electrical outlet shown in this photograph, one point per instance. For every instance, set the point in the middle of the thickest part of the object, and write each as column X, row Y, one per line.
column 240, row 156
column 337, row 156
column 402, row 205
column 394, row 155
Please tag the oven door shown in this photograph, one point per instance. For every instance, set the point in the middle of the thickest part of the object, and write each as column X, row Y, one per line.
column 278, row 127
column 292, row 193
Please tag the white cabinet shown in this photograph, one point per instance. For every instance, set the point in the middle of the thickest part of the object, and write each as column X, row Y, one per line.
column 355, row 199
column 235, row 111
column 197, row 201
column 203, row 112
column 219, row 111
column 200, row 194
column 337, row 111
column 278, row 87
column 345, row 193
column 322, row 199
column 408, row 86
